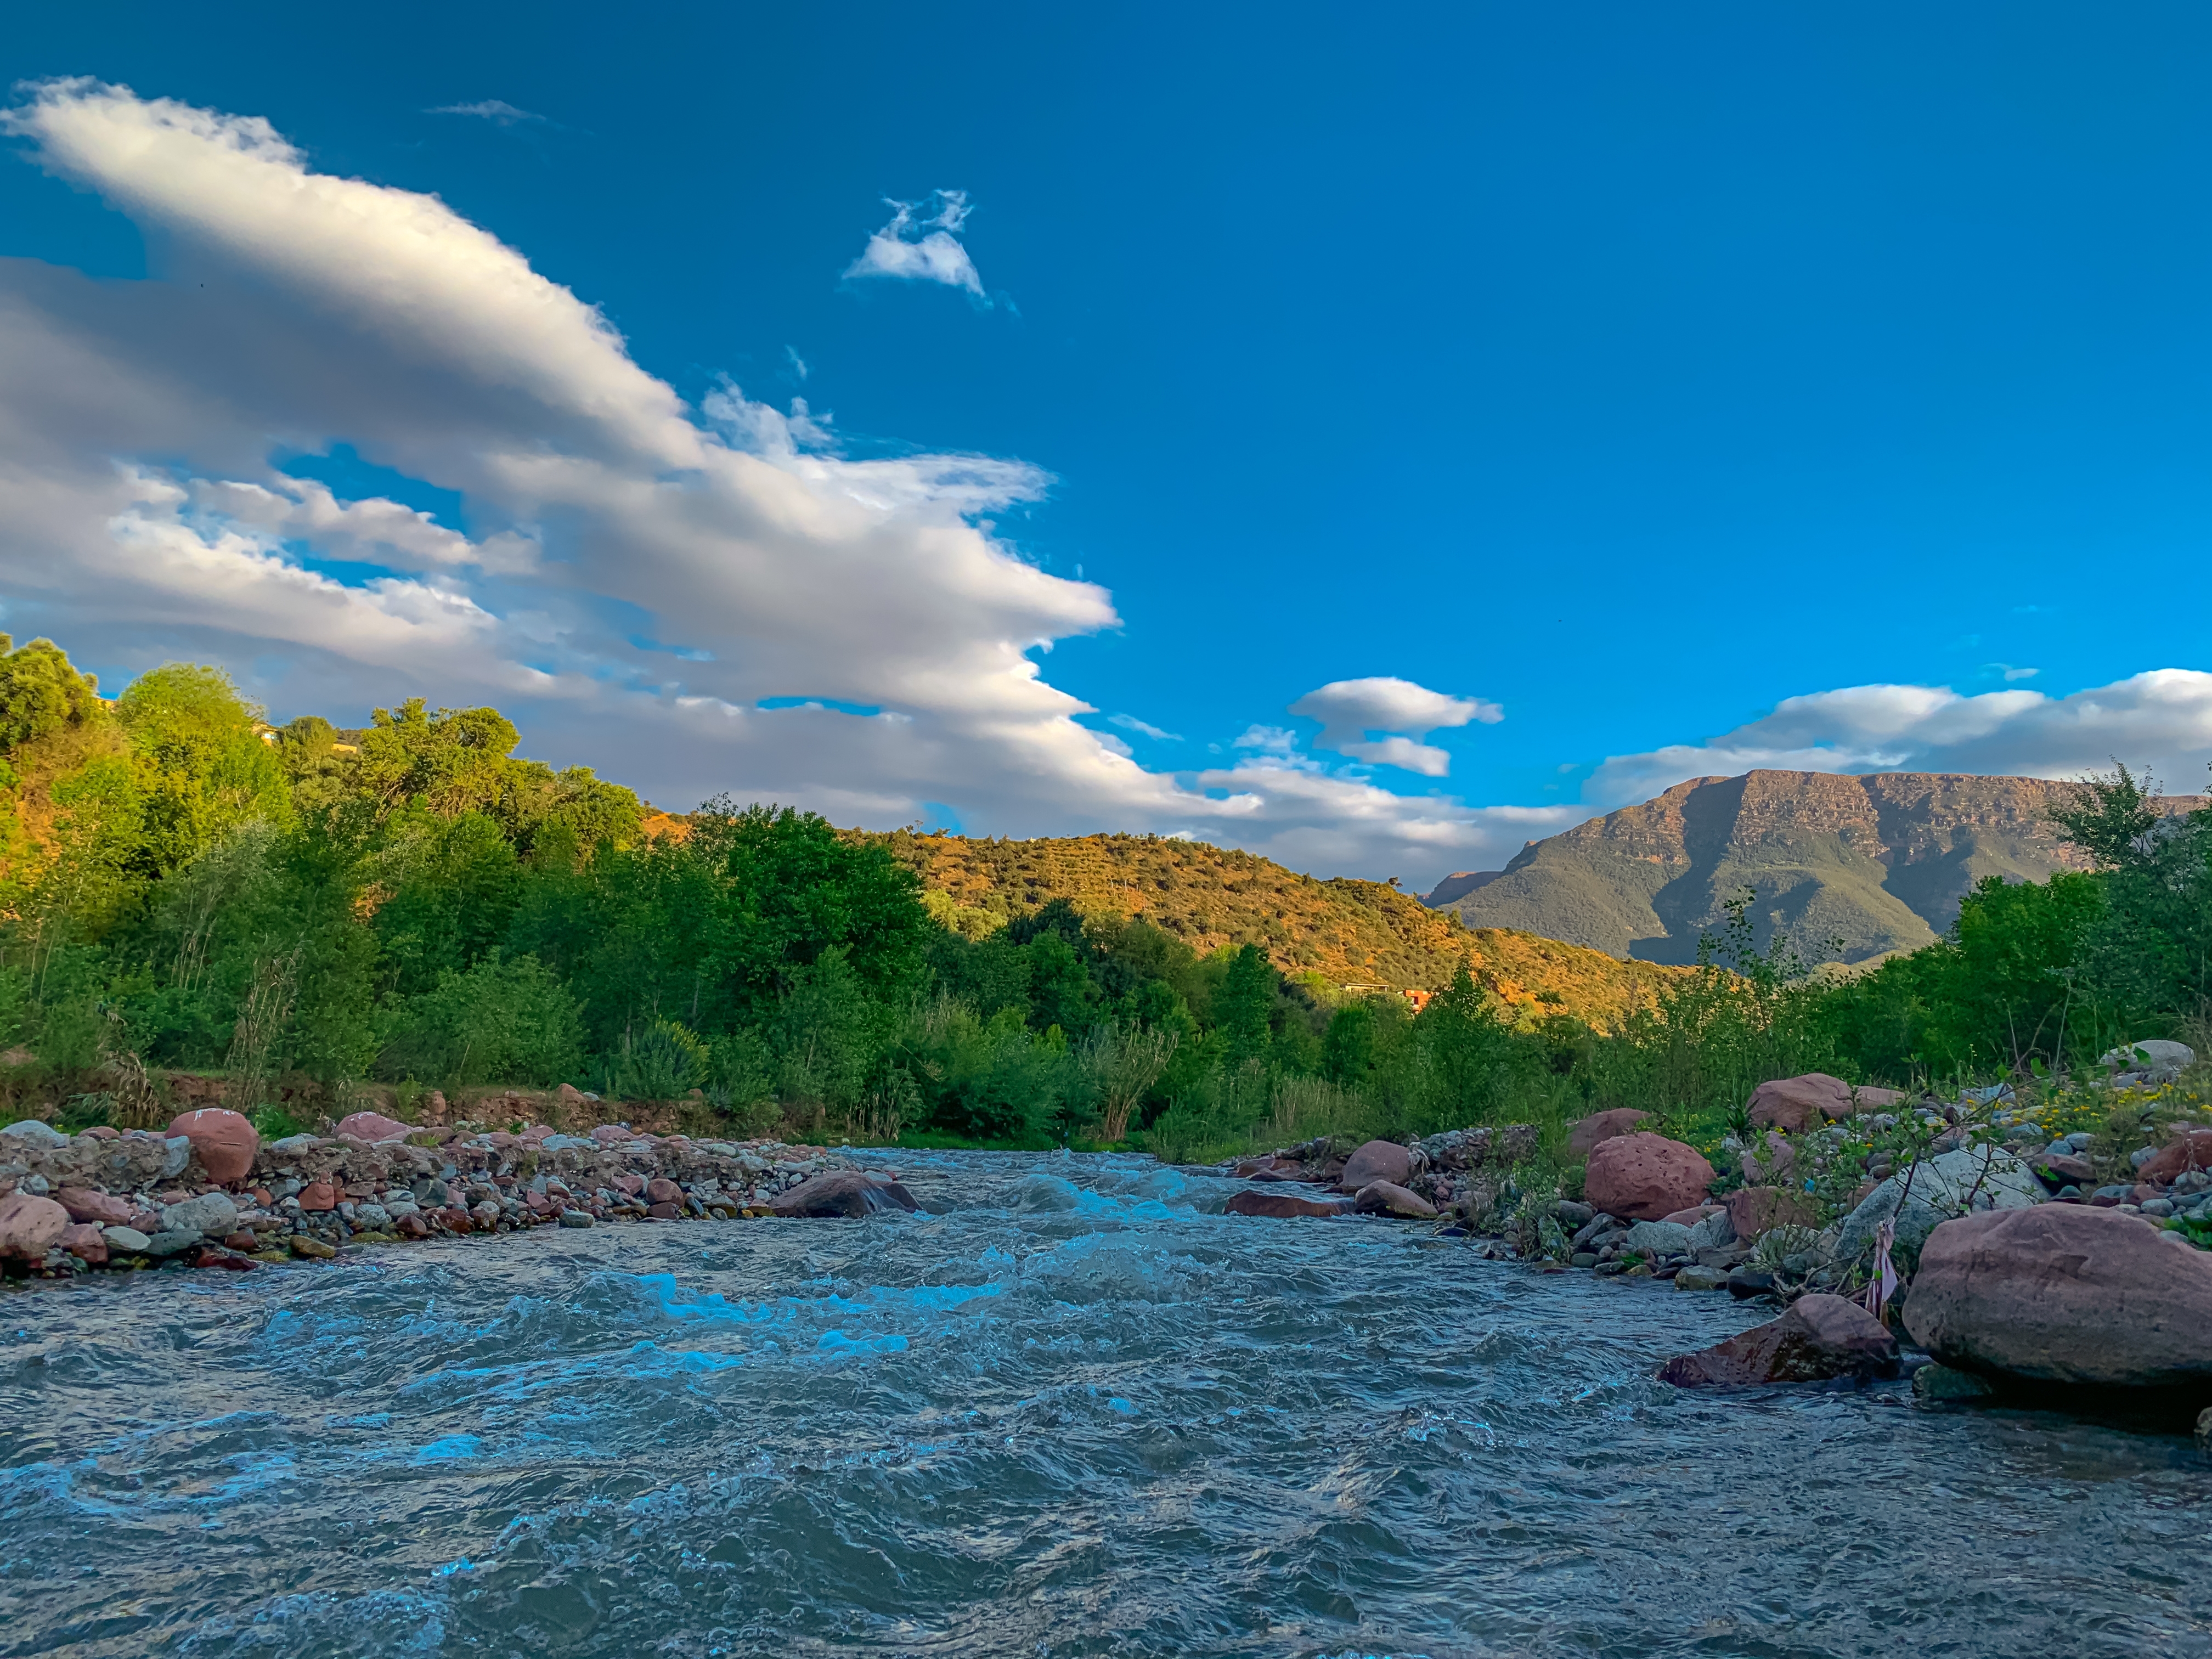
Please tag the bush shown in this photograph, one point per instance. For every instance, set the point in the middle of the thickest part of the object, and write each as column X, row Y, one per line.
column 501, row 1021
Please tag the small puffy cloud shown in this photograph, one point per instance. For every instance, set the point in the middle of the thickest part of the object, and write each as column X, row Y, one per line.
column 497, row 110
column 1269, row 739
column 2161, row 719
column 1351, row 711
column 1131, row 723
column 922, row 250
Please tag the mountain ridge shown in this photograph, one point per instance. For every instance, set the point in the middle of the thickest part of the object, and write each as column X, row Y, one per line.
column 1878, row 861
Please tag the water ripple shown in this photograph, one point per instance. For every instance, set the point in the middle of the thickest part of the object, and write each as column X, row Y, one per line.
column 1070, row 1409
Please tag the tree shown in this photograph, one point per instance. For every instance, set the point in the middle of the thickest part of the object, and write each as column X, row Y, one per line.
column 1243, row 1005
column 2113, row 819
column 451, row 761
column 792, row 889
column 202, row 768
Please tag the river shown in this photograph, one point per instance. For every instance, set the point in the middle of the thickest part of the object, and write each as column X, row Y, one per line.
column 1074, row 1411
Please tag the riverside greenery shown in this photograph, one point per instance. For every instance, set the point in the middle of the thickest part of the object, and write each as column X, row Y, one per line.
column 411, row 904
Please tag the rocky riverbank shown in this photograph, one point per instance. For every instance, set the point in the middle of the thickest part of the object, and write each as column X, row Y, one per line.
column 2016, row 1256
column 209, row 1193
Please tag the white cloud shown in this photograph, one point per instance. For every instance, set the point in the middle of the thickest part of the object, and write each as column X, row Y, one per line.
column 638, row 576
column 1350, row 710
column 933, row 256
column 2161, row 719
column 497, row 110
column 1131, row 723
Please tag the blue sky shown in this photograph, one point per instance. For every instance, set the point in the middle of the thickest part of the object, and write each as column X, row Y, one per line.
column 1685, row 389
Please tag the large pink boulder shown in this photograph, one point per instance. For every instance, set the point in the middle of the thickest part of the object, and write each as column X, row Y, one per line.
column 2064, row 1293
column 100, row 1209
column 1282, row 1206
column 225, row 1140
column 374, row 1128
column 1819, row 1337
column 86, row 1242
column 1643, row 1178
column 1603, row 1126
column 1795, row 1104
column 1379, row 1160
column 30, row 1226
column 1756, row 1209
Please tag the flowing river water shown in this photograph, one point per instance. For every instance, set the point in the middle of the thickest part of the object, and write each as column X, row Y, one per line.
column 1075, row 1410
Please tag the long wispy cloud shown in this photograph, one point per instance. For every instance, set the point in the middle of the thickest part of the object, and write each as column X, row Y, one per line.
column 497, row 110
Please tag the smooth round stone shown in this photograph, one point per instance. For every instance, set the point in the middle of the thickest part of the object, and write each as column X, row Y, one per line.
column 574, row 1218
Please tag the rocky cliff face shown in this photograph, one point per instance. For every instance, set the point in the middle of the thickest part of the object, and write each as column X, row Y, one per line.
column 1879, row 862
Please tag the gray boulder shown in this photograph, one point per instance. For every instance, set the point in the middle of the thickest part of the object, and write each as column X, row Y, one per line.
column 128, row 1240
column 1967, row 1182
column 1714, row 1230
column 171, row 1240
column 32, row 1133
column 211, row 1213
column 2157, row 1059
column 1658, row 1239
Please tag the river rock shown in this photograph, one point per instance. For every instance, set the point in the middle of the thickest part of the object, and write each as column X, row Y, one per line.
column 374, row 1128
column 1939, row 1383
column 2071, row 1168
column 29, row 1132
column 171, row 1240
column 1695, row 1278
column 2158, row 1059
column 30, row 1226
column 1713, row 1232
column 305, row 1244
column 1795, row 1104
column 1819, row 1337
column 128, row 1240
column 82, row 1240
column 1754, row 1211
column 2064, row 1293
column 1282, row 1206
column 318, row 1197
column 1377, row 1160
column 1643, row 1177
column 212, row 1213
column 1603, row 1126
column 841, row 1193
column 661, row 1190
column 1388, row 1198
column 100, row 1209
column 1657, row 1239
column 225, row 1140
column 2189, row 1150
column 1948, row 1184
